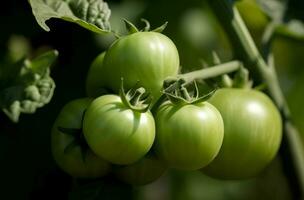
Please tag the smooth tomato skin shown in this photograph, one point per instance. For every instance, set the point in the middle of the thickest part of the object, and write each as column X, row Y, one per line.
column 147, row 170
column 188, row 136
column 147, row 57
column 94, row 82
column 253, row 132
column 72, row 161
column 117, row 133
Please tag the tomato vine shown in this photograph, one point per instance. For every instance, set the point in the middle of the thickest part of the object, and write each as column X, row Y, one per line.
column 246, row 52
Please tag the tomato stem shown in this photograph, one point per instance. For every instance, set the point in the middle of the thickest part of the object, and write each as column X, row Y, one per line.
column 241, row 79
column 291, row 147
column 223, row 80
column 171, row 83
column 185, row 94
column 211, row 72
column 136, row 98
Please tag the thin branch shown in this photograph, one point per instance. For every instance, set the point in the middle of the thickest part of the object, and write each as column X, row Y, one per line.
column 204, row 73
column 211, row 72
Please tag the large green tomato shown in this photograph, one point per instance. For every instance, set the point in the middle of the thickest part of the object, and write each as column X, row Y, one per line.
column 188, row 136
column 68, row 147
column 147, row 57
column 117, row 133
column 94, row 82
column 253, row 131
column 144, row 171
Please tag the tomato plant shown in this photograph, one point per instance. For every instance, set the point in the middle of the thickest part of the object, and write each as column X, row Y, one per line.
column 188, row 136
column 116, row 132
column 144, row 171
column 253, row 132
column 147, row 57
column 69, row 148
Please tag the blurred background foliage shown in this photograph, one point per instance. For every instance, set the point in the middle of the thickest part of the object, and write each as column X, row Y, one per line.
column 27, row 169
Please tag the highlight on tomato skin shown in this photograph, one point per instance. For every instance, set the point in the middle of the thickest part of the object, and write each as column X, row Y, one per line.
column 252, row 133
column 69, row 148
column 117, row 133
column 143, row 58
column 188, row 137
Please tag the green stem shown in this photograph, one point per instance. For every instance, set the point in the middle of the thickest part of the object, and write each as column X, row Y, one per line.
column 134, row 101
column 185, row 94
column 205, row 73
column 232, row 22
column 212, row 71
column 267, row 39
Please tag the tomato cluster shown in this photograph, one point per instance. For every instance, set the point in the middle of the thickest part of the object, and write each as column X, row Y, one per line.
column 233, row 135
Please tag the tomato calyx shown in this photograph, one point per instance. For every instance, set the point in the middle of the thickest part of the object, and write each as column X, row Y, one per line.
column 137, row 99
column 78, row 139
column 241, row 79
column 177, row 92
column 133, row 29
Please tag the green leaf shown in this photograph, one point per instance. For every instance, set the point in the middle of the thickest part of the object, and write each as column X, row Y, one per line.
column 130, row 27
column 91, row 14
column 26, row 85
column 42, row 63
column 161, row 28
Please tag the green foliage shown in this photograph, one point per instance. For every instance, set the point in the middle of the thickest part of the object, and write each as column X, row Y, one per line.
column 91, row 14
column 26, row 85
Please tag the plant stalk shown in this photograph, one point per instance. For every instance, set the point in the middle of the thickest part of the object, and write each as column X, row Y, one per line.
column 292, row 147
column 205, row 73
column 211, row 71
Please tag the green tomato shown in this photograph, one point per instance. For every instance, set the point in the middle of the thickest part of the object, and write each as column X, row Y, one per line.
column 117, row 133
column 188, row 136
column 253, row 131
column 147, row 57
column 94, row 82
column 69, row 151
column 144, row 171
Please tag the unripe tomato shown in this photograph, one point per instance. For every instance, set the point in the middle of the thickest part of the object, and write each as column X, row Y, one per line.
column 253, row 131
column 94, row 81
column 68, row 152
column 147, row 57
column 144, row 171
column 117, row 133
column 188, row 136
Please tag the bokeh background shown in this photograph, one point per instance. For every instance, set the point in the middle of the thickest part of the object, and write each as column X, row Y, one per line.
column 27, row 170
